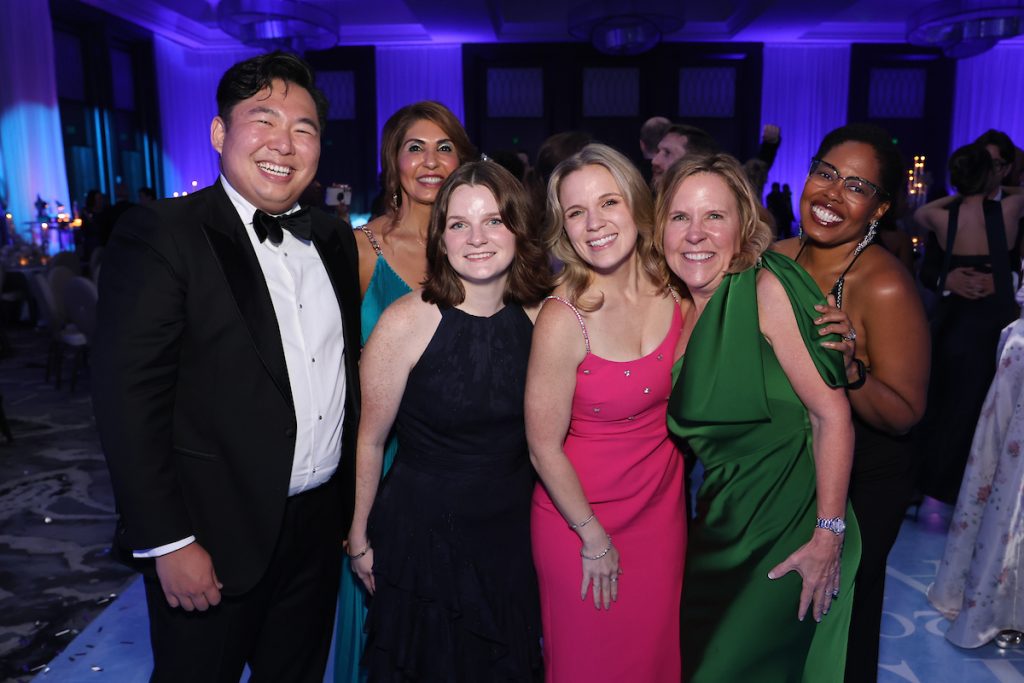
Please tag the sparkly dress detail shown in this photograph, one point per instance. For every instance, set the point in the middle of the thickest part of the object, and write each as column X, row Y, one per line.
column 632, row 475
column 349, row 640
column 456, row 597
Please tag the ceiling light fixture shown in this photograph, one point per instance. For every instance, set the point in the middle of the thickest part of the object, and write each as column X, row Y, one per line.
column 624, row 27
column 278, row 24
column 964, row 28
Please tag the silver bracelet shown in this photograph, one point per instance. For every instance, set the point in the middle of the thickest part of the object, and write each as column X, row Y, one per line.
column 582, row 524
column 358, row 555
column 600, row 554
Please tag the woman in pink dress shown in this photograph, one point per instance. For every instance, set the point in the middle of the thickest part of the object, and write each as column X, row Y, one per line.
column 608, row 520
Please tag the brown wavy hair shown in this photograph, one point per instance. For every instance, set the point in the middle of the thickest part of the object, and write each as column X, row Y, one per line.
column 577, row 274
column 755, row 234
column 393, row 135
column 529, row 278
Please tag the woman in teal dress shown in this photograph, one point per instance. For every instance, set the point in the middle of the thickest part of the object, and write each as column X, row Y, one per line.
column 760, row 401
column 421, row 145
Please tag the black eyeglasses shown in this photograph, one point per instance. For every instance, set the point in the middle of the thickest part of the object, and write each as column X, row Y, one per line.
column 824, row 173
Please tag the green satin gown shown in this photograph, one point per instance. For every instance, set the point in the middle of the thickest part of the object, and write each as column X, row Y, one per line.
column 735, row 407
column 385, row 287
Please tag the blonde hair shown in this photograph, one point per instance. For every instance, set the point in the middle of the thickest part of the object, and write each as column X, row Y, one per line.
column 577, row 275
column 755, row 233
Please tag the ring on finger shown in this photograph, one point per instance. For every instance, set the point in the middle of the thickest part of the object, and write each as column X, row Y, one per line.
column 614, row 579
column 851, row 335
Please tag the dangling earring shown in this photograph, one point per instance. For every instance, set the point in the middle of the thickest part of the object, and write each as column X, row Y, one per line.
column 800, row 231
column 868, row 238
column 394, row 200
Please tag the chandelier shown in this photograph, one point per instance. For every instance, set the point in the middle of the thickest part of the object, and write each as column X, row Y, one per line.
column 278, row 24
column 624, row 27
column 964, row 28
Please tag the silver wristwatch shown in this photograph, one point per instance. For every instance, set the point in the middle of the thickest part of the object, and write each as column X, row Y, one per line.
column 836, row 525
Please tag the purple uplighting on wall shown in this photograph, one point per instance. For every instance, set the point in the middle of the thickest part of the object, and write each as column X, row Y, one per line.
column 187, row 82
column 989, row 94
column 31, row 146
column 409, row 74
column 804, row 92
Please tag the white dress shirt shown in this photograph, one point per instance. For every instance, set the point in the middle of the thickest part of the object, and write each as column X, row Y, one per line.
column 309, row 320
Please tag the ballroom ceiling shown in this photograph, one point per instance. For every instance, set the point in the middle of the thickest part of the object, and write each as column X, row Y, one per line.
column 361, row 22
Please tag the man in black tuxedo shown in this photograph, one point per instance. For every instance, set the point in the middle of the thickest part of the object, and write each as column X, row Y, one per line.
column 227, row 393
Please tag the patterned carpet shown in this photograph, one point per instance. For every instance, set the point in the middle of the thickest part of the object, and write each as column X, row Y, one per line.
column 56, row 512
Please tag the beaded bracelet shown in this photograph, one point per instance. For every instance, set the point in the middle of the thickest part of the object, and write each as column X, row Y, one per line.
column 582, row 524
column 600, row 554
column 358, row 555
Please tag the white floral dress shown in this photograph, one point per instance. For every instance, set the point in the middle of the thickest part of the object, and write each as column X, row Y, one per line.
column 979, row 584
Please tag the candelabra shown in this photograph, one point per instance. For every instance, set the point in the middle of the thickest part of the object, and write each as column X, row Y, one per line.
column 917, row 184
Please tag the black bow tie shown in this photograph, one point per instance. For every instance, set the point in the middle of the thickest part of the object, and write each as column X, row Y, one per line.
column 297, row 223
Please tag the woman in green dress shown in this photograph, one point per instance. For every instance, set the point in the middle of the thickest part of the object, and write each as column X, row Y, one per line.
column 760, row 402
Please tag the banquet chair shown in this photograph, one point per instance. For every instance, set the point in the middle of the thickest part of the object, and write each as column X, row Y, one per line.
column 80, row 297
column 62, row 335
column 95, row 259
column 59, row 276
column 66, row 259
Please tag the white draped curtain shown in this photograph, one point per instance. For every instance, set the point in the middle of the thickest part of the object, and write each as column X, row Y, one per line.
column 989, row 93
column 31, row 144
column 187, row 85
column 408, row 74
column 805, row 90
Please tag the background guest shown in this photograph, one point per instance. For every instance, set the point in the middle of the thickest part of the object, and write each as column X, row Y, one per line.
column 679, row 141
column 970, row 259
column 978, row 585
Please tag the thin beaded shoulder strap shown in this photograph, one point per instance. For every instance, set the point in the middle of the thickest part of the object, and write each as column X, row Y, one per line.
column 373, row 240
column 579, row 317
column 674, row 293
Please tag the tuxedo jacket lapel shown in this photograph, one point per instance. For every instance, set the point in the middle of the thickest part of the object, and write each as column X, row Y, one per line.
column 231, row 245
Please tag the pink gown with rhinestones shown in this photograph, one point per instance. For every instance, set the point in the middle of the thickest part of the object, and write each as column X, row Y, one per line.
column 632, row 475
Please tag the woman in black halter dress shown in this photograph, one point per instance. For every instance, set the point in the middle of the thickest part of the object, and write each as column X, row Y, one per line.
column 969, row 262
column 444, row 546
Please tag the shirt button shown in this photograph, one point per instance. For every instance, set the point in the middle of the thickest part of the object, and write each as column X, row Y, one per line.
column 320, row 417
column 300, row 307
column 314, row 360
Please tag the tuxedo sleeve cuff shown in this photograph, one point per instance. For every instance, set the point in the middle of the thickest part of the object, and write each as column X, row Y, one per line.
column 163, row 549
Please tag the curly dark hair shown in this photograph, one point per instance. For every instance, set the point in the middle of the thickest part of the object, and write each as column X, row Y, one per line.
column 246, row 78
